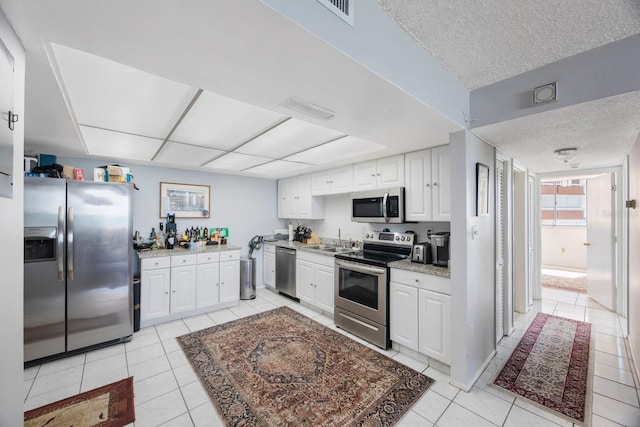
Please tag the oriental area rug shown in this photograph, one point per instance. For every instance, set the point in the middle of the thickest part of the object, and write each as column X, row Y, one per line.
column 107, row 406
column 281, row 368
column 574, row 284
column 552, row 367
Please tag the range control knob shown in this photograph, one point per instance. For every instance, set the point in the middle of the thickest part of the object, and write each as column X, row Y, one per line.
column 402, row 238
column 397, row 237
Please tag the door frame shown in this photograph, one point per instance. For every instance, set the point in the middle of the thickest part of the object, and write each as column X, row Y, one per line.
column 620, row 264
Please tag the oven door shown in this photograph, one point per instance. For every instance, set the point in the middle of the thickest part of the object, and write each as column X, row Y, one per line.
column 362, row 289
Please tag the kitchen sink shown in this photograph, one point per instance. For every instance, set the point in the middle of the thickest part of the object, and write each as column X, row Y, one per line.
column 331, row 248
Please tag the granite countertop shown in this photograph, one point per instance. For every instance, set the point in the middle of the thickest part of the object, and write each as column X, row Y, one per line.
column 407, row 264
column 152, row 253
column 306, row 248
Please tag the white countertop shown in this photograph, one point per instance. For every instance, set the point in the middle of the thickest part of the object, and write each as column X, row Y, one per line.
column 152, row 253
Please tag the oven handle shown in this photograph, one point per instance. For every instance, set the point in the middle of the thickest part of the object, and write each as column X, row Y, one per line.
column 360, row 268
column 385, row 200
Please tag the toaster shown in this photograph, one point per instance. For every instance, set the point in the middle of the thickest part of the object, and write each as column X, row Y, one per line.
column 421, row 253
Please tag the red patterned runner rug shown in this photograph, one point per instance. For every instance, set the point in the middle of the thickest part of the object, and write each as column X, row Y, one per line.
column 280, row 368
column 552, row 366
column 107, row 406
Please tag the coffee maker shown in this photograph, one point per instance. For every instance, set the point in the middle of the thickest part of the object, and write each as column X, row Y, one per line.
column 440, row 249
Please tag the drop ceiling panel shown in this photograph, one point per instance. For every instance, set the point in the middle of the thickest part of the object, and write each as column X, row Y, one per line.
column 109, row 95
column 236, row 162
column 342, row 148
column 288, row 138
column 220, row 122
column 185, row 154
column 277, row 168
column 100, row 142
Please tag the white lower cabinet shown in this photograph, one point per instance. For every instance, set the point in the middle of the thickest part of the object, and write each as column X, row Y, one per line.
column 434, row 330
column 182, row 285
column 314, row 280
column 155, row 286
column 269, row 265
column 404, row 315
column 420, row 313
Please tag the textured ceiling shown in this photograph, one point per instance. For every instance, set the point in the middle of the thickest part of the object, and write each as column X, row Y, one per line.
column 602, row 130
column 482, row 42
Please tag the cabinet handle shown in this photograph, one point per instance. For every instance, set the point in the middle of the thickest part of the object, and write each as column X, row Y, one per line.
column 428, row 185
column 157, row 263
column 166, row 293
column 184, row 260
column 377, row 174
column 373, row 174
column 174, row 291
column 435, row 183
column 222, row 283
column 417, row 280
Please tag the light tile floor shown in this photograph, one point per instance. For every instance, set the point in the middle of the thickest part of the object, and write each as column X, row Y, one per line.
column 167, row 391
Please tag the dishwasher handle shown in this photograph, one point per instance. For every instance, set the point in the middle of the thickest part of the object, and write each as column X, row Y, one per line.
column 285, row 251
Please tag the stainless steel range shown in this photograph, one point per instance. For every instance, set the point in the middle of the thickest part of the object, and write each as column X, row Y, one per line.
column 362, row 285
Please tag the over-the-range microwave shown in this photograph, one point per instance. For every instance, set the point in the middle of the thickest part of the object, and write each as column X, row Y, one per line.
column 383, row 205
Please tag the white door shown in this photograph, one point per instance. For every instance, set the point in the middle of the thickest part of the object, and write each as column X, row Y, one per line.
column 600, row 197
column 324, row 287
column 390, row 172
column 342, row 180
column 304, row 281
column 403, row 315
column 207, row 284
column 364, row 176
column 183, row 288
column 434, row 330
column 269, row 269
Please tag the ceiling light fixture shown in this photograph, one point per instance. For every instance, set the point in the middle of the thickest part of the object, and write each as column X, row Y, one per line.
column 308, row 109
column 545, row 93
column 566, row 154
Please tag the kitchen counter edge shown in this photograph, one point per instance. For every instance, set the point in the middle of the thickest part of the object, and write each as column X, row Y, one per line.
column 407, row 264
column 154, row 253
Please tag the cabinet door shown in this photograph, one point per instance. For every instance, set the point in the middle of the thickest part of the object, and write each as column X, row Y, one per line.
column 390, row 172
column 304, row 196
column 305, row 290
column 283, row 198
column 403, row 315
column 154, row 293
column 324, row 286
column 441, row 176
column 293, row 197
column 207, row 284
column 269, row 269
column 321, row 183
column 342, row 180
column 229, row 281
column 183, row 288
column 434, row 325
column 364, row 176
column 418, row 186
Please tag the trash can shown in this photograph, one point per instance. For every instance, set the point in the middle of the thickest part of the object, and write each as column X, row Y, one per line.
column 247, row 278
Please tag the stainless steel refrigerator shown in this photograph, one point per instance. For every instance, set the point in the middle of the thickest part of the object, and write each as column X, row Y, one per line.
column 78, row 287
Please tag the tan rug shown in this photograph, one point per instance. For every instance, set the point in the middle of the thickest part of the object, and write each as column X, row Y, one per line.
column 107, row 406
column 552, row 366
column 577, row 284
column 280, row 368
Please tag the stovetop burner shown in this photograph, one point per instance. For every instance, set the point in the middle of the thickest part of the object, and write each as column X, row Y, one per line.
column 381, row 248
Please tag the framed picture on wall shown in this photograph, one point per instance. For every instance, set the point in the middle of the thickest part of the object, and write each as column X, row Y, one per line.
column 184, row 200
column 482, row 189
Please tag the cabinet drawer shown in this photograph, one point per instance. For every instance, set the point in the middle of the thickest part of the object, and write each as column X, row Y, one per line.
column 229, row 256
column 270, row 248
column 208, row 258
column 422, row 281
column 154, row 263
column 326, row 260
column 181, row 260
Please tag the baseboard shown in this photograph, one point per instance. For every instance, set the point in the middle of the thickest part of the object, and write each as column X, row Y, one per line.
column 467, row 387
column 635, row 365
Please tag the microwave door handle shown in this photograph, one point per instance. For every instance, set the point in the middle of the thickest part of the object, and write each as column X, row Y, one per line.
column 385, row 201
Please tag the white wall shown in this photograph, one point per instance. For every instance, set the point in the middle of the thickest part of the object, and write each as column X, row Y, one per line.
column 247, row 206
column 472, row 262
column 563, row 247
column 634, row 254
column 338, row 216
column 11, row 253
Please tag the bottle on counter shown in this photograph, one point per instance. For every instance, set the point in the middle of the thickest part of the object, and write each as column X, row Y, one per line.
column 206, row 234
column 160, row 238
column 170, row 239
column 152, row 236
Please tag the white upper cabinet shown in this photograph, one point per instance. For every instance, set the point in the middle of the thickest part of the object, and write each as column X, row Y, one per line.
column 428, row 185
column 332, row 181
column 381, row 173
column 295, row 199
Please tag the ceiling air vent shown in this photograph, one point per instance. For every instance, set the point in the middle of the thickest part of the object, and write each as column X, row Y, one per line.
column 342, row 8
column 307, row 108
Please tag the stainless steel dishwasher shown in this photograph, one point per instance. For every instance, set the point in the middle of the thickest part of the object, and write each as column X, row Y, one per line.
column 286, row 271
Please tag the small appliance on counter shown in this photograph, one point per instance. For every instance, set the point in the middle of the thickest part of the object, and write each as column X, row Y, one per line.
column 421, row 253
column 440, row 249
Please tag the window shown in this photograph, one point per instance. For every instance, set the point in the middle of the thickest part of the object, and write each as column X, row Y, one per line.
column 564, row 202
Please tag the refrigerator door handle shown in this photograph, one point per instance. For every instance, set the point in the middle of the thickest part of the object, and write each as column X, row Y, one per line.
column 70, row 244
column 60, row 243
